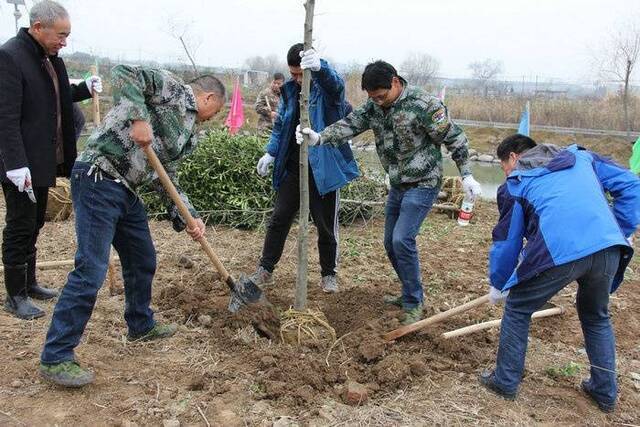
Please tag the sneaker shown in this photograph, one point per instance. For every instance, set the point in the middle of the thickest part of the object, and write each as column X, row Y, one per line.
column 412, row 315
column 329, row 284
column 604, row 407
column 393, row 300
column 68, row 374
column 488, row 380
column 261, row 277
column 159, row 331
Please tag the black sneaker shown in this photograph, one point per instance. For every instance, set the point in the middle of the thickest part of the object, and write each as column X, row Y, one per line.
column 487, row 379
column 604, row 407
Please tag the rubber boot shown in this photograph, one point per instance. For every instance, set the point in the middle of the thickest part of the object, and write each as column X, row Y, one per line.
column 18, row 302
column 34, row 289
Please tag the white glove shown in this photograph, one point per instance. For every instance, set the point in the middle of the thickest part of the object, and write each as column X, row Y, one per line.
column 94, row 84
column 471, row 187
column 497, row 296
column 630, row 240
column 263, row 164
column 310, row 60
column 314, row 137
column 21, row 178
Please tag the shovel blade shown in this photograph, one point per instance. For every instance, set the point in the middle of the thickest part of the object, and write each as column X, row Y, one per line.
column 243, row 293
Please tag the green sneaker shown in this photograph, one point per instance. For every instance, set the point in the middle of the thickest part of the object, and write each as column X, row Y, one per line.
column 412, row 315
column 393, row 300
column 158, row 332
column 68, row 374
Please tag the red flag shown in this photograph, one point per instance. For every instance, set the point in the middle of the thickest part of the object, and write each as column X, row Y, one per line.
column 235, row 119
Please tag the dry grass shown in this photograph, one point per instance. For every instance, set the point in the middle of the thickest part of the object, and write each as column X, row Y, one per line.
column 589, row 113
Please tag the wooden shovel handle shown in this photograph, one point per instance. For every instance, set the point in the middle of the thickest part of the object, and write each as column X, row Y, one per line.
column 404, row 330
column 95, row 100
column 191, row 222
column 491, row 323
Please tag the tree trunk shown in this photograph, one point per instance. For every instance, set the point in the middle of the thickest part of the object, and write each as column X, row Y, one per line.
column 625, row 98
column 303, row 230
column 193, row 64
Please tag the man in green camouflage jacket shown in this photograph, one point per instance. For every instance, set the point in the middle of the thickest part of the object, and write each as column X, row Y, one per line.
column 151, row 107
column 409, row 127
column 267, row 105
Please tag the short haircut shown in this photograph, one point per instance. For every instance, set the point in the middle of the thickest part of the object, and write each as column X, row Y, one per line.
column 278, row 76
column 515, row 143
column 293, row 56
column 47, row 12
column 209, row 84
column 378, row 75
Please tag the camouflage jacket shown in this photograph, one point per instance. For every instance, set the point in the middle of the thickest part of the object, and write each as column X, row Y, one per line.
column 169, row 105
column 408, row 137
column 266, row 102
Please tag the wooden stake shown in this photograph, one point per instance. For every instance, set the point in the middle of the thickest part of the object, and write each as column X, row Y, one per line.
column 303, row 230
column 492, row 323
column 404, row 330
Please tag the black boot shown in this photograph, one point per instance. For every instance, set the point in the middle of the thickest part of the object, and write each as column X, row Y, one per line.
column 34, row 289
column 18, row 302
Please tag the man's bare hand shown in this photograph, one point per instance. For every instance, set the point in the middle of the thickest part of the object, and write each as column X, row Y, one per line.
column 274, row 114
column 198, row 231
column 141, row 133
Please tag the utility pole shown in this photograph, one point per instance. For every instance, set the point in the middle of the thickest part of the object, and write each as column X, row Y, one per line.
column 16, row 12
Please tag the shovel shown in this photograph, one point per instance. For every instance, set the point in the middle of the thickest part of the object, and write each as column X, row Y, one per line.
column 243, row 293
column 404, row 330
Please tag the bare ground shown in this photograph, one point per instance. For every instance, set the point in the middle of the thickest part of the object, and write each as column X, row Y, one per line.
column 216, row 370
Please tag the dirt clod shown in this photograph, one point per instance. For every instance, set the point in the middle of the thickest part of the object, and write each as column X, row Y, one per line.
column 355, row 394
column 371, row 349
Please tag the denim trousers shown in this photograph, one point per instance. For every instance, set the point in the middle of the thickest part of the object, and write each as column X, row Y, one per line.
column 106, row 213
column 594, row 274
column 405, row 211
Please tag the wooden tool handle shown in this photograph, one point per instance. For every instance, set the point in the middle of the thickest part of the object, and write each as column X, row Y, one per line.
column 404, row 330
column 490, row 324
column 191, row 222
column 95, row 100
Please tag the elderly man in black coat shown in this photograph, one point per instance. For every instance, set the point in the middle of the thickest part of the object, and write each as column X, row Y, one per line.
column 37, row 143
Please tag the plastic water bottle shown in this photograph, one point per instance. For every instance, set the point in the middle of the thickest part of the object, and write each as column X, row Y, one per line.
column 466, row 210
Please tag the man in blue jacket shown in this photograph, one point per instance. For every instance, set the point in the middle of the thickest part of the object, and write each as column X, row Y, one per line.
column 556, row 199
column 331, row 168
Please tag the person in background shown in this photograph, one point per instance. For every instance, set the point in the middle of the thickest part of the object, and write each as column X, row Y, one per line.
column 267, row 105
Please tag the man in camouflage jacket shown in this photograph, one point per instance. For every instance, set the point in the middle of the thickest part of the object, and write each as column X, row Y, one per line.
column 409, row 127
column 267, row 105
column 150, row 107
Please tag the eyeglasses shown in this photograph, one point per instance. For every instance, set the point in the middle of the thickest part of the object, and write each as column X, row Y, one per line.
column 379, row 96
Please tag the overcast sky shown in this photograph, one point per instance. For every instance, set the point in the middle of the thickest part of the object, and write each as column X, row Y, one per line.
column 545, row 38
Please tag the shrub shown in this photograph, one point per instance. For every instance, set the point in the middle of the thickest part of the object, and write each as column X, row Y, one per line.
column 221, row 181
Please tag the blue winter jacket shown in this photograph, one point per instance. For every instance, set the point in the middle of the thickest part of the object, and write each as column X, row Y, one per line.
column 561, row 209
column 332, row 167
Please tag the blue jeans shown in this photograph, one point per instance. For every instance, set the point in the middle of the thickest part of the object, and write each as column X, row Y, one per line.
column 405, row 211
column 106, row 212
column 594, row 275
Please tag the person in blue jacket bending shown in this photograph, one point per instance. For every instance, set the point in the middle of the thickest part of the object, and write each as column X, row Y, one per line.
column 330, row 168
column 556, row 199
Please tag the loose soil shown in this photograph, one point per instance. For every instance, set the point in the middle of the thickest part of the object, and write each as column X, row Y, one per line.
column 216, row 366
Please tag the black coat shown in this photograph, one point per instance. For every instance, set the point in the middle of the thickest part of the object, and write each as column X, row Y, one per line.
column 28, row 111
